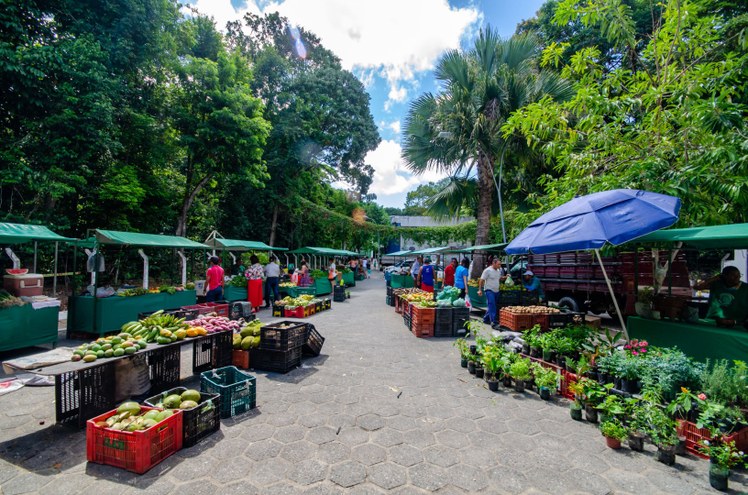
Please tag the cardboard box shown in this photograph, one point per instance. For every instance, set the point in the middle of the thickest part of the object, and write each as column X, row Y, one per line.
column 594, row 321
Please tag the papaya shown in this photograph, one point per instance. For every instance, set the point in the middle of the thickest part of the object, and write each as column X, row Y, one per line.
column 163, row 340
column 237, row 341
column 152, row 414
column 181, row 334
column 143, row 344
column 246, row 331
column 118, row 352
column 164, row 414
column 131, row 350
column 187, row 404
column 129, row 406
column 255, row 342
column 191, row 332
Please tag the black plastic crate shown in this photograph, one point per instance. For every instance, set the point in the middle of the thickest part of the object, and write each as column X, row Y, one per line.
column 84, row 394
column 444, row 315
column 443, row 329
column 212, row 351
column 163, row 366
column 407, row 320
column 389, row 300
column 241, row 309
column 198, row 422
column 283, row 335
column 238, row 390
column 560, row 320
column 314, row 342
column 459, row 317
column 389, row 290
column 510, row 297
column 279, row 361
column 338, row 294
column 327, row 303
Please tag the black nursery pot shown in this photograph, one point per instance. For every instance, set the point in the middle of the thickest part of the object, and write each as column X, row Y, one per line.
column 525, row 348
column 471, row 367
column 479, row 372
column 493, row 385
column 463, row 362
column 636, row 443
column 519, row 386
column 545, row 393
column 576, row 413
column 590, row 413
column 473, row 350
column 666, row 455
column 506, row 381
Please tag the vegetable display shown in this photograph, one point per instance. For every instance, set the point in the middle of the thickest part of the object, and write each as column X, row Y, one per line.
column 7, row 300
column 129, row 418
column 531, row 310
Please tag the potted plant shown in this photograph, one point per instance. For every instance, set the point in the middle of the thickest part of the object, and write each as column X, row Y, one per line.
column 492, row 365
column 546, row 380
column 531, row 340
column 520, row 371
column 644, row 301
column 593, row 394
column 506, row 362
column 661, row 430
column 480, row 346
column 462, row 346
column 614, row 433
column 547, row 343
column 471, row 360
column 636, row 427
column 575, row 408
column 723, row 456
column 611, row 408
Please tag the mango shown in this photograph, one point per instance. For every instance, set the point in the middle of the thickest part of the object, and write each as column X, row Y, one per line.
column 131, row 350
column 191, row 394
column 172, row 401
column 89, row 358
column 130, row 406
column 181, row 334
column 187, row 404
column 247, row 343
column 164, row 414
column 108, row 353
column 118, row 352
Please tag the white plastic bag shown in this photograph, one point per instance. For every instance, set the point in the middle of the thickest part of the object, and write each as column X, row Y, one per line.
column 131, row 377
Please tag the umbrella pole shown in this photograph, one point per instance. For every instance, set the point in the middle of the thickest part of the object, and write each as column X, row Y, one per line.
column 613, row 295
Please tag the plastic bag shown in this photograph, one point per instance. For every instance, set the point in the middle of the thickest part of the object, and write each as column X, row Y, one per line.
column 509, row 282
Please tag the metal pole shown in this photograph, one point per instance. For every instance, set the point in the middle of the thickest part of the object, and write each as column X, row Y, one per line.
column 36, row 246
column 615, row 301
column 54, row 279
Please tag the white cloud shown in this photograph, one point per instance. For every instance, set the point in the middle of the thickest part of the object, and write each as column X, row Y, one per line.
column 395, row 126
column 391, row 176
column 392, row 37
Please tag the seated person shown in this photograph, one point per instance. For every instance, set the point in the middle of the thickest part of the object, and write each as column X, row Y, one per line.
column 728, row 298
column 532, row 284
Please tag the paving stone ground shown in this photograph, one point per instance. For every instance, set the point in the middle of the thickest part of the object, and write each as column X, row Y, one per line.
column 378, row 412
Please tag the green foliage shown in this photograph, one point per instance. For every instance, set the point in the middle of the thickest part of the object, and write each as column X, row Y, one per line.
column 725, row 382
column 613, row 429
column 520, row 369
column 545, row 377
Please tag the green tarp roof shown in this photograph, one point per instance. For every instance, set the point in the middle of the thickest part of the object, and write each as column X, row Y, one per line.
column 16, row 233
column 734, row 236
column 433, row 250
column 399, row 253
column 485, row 247
column 145, row 240
column 323, row 251
column 239, row 245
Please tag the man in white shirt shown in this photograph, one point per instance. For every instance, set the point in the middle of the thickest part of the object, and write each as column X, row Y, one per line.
column 490, row 280
column 415, row 268
column 272, row 277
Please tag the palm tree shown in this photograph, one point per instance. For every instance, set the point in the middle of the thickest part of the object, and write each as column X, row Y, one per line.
column 458, row 130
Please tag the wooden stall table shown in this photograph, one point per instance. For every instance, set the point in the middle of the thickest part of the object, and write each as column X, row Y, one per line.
column 701, row 341
column 84, row 390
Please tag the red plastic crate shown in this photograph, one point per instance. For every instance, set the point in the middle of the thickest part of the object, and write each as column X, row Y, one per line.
column 422, row 330
column 516, row 322
column 297, row 312
column 136, row 451
column 542, row 320
column 567, row 379
column 423, row 315
column 694, row 437
column 240, row 359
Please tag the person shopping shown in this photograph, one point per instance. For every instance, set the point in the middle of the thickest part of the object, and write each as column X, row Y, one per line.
column 490, row 280
column 449, row 273
column 461, row 277
column 254, row 276
column 426, row 275
column 272, row 277
column 214, row 280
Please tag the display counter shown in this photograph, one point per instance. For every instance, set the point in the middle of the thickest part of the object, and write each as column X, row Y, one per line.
column 108, row 314
column 401, row 281
column 349, row 279
column 476, row 301
column 24, row 326
column 701, row 341
column 231, row 293
column 297, row 291
column 322, row 287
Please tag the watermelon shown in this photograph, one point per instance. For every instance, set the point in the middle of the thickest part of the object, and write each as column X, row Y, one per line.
column 16, row 271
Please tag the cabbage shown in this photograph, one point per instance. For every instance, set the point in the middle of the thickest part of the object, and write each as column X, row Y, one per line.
column 444, row 303
column 460, row 302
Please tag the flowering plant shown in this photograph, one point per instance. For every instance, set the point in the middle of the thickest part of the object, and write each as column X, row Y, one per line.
column 685, row 402
column 724, row 454
column 636, row 347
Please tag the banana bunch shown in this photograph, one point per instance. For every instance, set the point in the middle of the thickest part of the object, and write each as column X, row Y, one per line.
column 160, row 327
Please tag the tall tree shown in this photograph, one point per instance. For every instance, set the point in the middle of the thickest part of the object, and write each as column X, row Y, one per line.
column 459, row 130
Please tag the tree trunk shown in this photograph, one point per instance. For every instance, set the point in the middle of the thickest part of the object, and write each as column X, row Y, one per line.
column 274, row 225
column 485, row 191
column 189, row 198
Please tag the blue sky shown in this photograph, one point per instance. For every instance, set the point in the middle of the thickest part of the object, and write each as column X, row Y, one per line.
column 391, row 46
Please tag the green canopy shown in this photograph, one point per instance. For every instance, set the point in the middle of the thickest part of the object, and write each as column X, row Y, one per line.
column 399, row 253
column 239, row 245
column 323, row 251
column 145, row 240
column 484, row 247
column 434, row 250
column 17, row 233
column 734, row 236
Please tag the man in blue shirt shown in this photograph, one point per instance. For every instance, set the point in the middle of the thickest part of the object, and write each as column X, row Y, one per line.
column 532, row 284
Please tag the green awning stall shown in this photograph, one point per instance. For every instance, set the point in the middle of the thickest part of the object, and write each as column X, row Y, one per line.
column 485, row 247
column 102, row 315
column 25, row 326
column 240, row 245
column 701, row 340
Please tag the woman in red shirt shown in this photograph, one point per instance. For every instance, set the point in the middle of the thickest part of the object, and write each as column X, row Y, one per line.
column 214, row 280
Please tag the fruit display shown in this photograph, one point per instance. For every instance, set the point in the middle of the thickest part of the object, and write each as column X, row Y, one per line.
column 512, row 288
column 131, row 417
column 189, row 399
column 159, row 327
column 211, row 324
column 286, row 284
column 531, row 310
column 108, row 347
column 249, row 336
column 295, row 302
column 8, row 300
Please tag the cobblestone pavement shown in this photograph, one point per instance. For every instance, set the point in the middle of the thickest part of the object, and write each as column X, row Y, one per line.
column 379, row 411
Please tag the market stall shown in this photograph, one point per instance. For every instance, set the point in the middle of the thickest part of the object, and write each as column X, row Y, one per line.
column 99, row 315
column 699, row 339
column 234, row 291
column 479, row 301
column 319, row 257
column 27, row 318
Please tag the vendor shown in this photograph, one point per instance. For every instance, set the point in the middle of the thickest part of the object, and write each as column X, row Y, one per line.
column 532, row 284
column 426, row 275
column 214, row 280
column 728, row 297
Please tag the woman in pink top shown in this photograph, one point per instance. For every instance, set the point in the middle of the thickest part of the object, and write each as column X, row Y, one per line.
column 214, row 280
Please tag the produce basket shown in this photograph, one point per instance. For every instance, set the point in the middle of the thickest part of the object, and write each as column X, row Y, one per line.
column 515, row 322
column 327, row 302
column 277, row 310
column 197, row 422
column 695, row 435
column 314, row 342
column 443, row 323
column 459, row 317
column 278, row 361
column 163, row 366
column 238, row 389
column 136, row 451
column 283, row 336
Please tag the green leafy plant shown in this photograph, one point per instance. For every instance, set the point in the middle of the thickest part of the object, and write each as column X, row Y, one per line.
column 612, row 407
column 684, row 402
column 491, row 359
column 520, row 369
column 532, row 336
column 545, row 377
column 718, row 418
column 592, row 392
column 725, row 382
column 463, row 347
column 724, row 454
column 613, row 429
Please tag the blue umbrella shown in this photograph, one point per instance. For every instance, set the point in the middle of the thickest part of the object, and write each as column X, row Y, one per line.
column 591, row 221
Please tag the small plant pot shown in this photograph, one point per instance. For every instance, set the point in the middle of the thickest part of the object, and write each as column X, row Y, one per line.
column 666, row 455
column 473, row 350
column 613, row 443
column 617, row 383
column 471, row 367
column 525, row 348
column 506, row 381
column 535, row 352
column 561, row 361
column 548, row 356
column 680, row 448
column 479, row 372
column 463, row 362
column 545, row 393
column 636, row 442
column 718, row 477
column 590, row 413
column 576, row 413
column 493, row 385
column 519, row 386
column 630, row 386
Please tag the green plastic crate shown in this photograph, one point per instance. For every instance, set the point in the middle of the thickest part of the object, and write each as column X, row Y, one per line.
column 238, row 389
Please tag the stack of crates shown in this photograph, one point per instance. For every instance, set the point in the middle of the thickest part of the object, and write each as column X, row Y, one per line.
column 280, row 346
column 459, row 317
column 443, row 323
column 237, row 389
